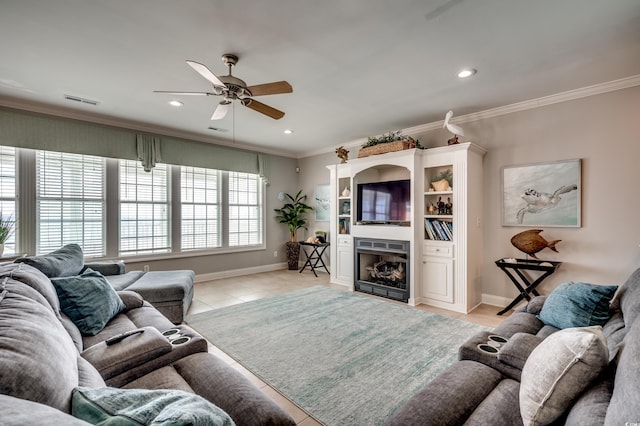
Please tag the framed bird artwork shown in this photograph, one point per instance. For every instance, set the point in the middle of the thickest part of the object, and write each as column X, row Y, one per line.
column 542, row 194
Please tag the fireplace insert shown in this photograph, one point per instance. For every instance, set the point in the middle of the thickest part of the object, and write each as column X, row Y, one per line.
column 382, row 268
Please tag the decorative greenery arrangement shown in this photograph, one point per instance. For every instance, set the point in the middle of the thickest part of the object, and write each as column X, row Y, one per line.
column 447, row 175
column 6, row 227
column 391, row 137
column 293, row 213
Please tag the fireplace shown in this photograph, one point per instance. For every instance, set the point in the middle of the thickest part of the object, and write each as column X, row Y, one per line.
column 382, row 268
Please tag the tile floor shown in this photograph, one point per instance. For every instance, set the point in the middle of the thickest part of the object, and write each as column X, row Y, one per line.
column 231, row 291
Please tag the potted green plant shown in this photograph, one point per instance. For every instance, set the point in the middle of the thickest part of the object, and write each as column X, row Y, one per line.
column 6, row 229
column 293, row 214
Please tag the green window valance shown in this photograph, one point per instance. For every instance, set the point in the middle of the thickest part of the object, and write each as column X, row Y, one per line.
column 25, row 129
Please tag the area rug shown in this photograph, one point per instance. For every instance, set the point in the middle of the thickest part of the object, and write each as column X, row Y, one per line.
column 344, row 358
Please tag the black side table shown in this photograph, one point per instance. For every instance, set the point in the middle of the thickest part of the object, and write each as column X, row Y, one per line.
column 525, row 286
column 314, row 256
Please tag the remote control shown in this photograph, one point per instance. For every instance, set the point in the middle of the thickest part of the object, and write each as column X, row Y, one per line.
column 119, row 337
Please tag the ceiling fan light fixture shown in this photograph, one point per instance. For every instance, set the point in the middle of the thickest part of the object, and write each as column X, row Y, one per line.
column 176, row 103
column 467, row 72
column 288, row 131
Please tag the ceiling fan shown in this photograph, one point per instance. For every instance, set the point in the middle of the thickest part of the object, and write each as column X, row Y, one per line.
column 232, row 88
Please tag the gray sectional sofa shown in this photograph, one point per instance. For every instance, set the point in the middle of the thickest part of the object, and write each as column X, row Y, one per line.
column 553, row 368
column 171, row 292
column 56, row 366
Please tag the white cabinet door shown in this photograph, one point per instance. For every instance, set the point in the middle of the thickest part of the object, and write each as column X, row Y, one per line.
column 345, row 260
column 437, row 278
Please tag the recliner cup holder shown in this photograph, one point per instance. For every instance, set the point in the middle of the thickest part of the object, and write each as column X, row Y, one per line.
column 175, row 337
column 493, row 345
column 170, row 332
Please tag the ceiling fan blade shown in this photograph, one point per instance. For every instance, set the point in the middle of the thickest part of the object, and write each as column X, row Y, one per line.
column 221, row 110
column 274, row 88
column 206, row 73
column 262, row 108
column 185, row 93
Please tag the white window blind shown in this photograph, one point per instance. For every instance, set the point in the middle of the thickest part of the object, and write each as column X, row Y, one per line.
column 70, row 202
column 8, row 193
column 144, row 209
column 245, row 209
column 200, row 200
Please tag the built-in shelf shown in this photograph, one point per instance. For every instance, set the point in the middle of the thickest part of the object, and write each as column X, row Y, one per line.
column 435, row 278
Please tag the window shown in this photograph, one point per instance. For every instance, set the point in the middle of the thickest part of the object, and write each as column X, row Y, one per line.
column 113, row 208
column 200, row 218
column 8, row 192
column 70, row 202
column 245, row 209
column 144, row 209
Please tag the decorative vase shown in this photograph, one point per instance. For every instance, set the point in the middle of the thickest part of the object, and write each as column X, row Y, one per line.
column 1, row 248
column 293, row 255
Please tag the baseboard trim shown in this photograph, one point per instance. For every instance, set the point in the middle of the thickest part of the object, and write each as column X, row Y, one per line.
column 240, row 272
column 490, row 299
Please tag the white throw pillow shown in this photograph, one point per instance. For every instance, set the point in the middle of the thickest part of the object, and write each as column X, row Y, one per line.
column 558, row 370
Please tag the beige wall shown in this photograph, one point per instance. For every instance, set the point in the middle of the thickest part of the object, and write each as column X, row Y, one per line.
column 313, row 172
column 603, row 131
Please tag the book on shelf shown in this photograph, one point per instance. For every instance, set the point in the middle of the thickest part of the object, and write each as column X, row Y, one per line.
column 437, row 229
column 343, row 225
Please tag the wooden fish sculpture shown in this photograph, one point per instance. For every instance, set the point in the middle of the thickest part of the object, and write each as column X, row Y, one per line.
column 531, row 242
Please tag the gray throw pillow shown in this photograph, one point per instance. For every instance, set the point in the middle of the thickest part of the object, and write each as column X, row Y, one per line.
column 64, row 262
column 145, row 407
column 558, row 370
column 88, row 300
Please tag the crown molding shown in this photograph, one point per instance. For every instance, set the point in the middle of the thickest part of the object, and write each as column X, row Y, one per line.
column 596, row 89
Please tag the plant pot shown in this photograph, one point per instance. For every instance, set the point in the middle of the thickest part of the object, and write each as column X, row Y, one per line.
column 293, row 255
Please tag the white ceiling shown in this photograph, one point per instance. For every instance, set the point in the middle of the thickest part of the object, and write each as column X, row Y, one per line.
column 358, row 67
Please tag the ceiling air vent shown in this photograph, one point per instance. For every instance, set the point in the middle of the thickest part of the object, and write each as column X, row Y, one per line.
column 81, row 100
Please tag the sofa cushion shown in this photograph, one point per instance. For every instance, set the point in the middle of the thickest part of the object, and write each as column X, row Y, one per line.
column 576, row 304
column 615, row 331
column 131, row 299
column 35, row 279
column 64, row 262
column 627, row 299
column 20, row 412
column 517, row 350
column 38, row 358
column 518, row 322
column 145, row 407
column 440, row 401
column 122, row 281
column 558, row 370
column 88, row 300
column 625, row 400
column 591, row 406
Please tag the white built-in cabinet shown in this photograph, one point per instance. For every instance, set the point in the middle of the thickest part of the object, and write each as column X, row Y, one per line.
column 340, row 223
column 446, row 243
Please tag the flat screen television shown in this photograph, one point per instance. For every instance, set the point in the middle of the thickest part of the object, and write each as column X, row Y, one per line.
column 384, row 202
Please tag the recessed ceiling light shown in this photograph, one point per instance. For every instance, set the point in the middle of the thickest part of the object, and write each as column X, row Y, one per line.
column 176, row 103
column 467, row 73
column 288, row 132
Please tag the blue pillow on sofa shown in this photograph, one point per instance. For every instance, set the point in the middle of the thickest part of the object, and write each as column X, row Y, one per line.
column 88, row 300
column 576, row 304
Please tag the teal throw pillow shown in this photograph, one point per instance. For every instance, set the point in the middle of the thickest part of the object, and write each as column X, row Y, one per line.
column 124, row 407
column 64, row 262
column 576, row 304
column 88, row 300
